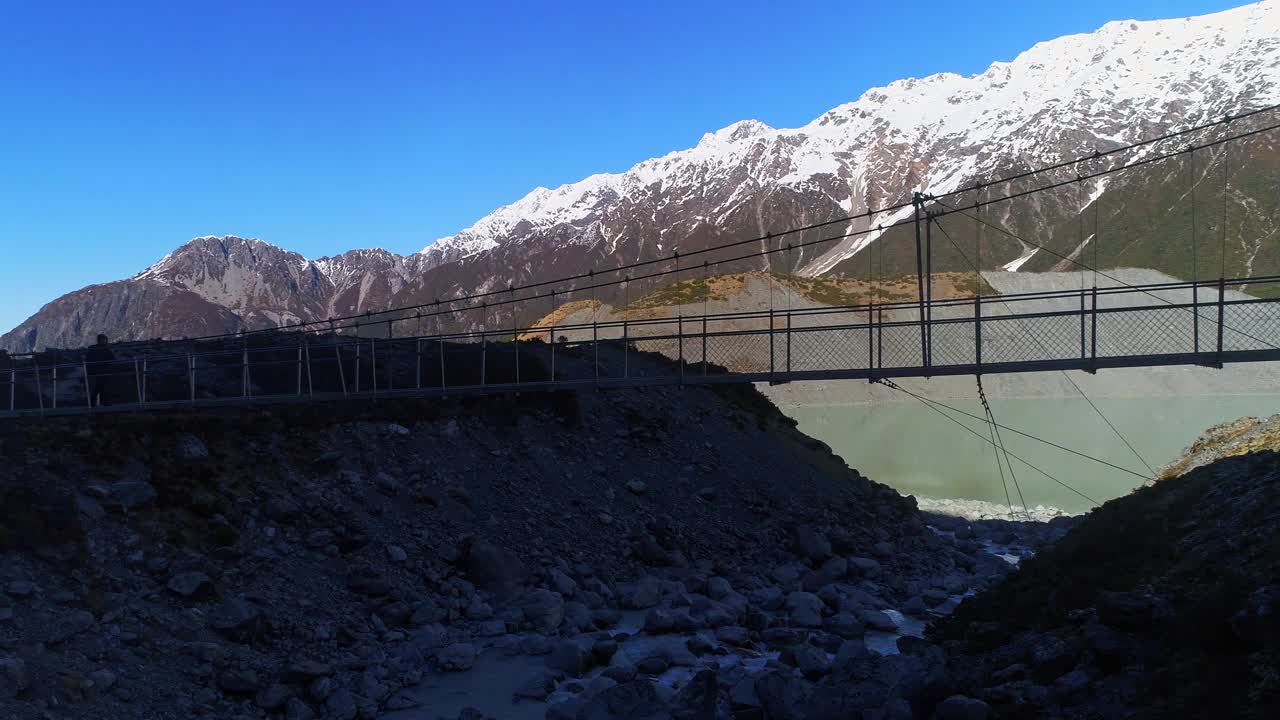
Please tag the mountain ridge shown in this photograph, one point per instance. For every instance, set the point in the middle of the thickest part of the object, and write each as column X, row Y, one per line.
column 1061, row 98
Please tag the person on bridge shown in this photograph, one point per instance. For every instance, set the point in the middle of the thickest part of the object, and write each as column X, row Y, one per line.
column 100, row 362
column 6, row 381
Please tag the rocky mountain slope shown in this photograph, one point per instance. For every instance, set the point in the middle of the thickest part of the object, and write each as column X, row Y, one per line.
column 1163, row 603
column 1062, row 98
column 684, row 550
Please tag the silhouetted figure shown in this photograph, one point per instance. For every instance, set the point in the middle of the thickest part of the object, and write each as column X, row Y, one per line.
column 100, row 362
column 6, row 379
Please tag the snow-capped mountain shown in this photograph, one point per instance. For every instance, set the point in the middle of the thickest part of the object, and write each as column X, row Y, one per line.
column 1060, row 99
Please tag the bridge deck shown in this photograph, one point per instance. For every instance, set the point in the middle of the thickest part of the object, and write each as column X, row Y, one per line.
column 1151, row 325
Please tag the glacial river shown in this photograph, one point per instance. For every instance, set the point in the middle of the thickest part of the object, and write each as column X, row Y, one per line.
column 913, row 449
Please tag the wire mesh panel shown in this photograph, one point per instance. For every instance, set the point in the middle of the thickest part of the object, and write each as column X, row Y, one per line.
column 1145, row 331
column 840, row 348
column 952, row 343
column 1248, row 326
column 900, row 346
column 743, row 352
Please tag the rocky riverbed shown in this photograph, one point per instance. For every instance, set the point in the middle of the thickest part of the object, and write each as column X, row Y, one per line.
column 650, row 553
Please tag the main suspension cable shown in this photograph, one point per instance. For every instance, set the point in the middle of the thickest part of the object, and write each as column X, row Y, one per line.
column 1068, row 377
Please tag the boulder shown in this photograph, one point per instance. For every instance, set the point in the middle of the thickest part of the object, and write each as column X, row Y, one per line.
column 571, row 657
column 811, row 544
column 542, row 609
column 635, row 700
column 456, row 657
column 960, row 707
column 646, row 593
column 239, row 620
column 494, row 568
column 131, row 494
column 193, row 585
column 805, row 609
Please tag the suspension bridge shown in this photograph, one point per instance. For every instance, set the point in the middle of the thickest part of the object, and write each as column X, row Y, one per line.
column 1105, row 323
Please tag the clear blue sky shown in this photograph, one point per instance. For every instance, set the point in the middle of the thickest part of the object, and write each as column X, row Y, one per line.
column 126, row 128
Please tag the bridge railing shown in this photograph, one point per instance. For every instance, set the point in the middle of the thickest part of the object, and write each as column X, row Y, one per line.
column 1204, row 323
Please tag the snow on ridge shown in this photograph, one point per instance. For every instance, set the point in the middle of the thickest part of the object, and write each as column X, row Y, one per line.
column 1125, row 70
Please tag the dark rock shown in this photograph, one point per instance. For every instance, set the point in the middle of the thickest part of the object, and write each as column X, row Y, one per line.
column 733, row 635
column 193, row 585
column 572, row 657
column 1049, row 655
column 295, row 709
column 603, row 650
column 238, row 682
column 812, row 544
column 698, row 699
column 653, row 665
column 494, row 568
column 131, row 494
column 304, row 671
column 456, row 657
column 635, row 700
column 1126, row 610
column 866, row 567
column 272, row 697
column 191, row 448
column 365, row 581
column 239, row 620
column 960, row 707
column 646, row 593
column 781, row 696
column 620, row 673
column 537, row 686
column 72, row 625
column 542, row 609
column 811, row 661
column 341, row 705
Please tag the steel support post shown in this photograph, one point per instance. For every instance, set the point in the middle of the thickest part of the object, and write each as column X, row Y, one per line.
column 39, row 391
column 788, row 345
column 772, row 363
column 880, row 338
column 871, row 339
column 928, row 289
column 1083, row 351
column 342, row 373
column 680, row 345
column 1093, row 334
column 977, row 332
column 1195, row 317
column 918, row 202
column 704, row 344
column 1222, row 298
column 306, row 354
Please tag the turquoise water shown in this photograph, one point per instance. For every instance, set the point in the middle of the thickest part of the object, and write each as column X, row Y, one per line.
column 913, row 449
